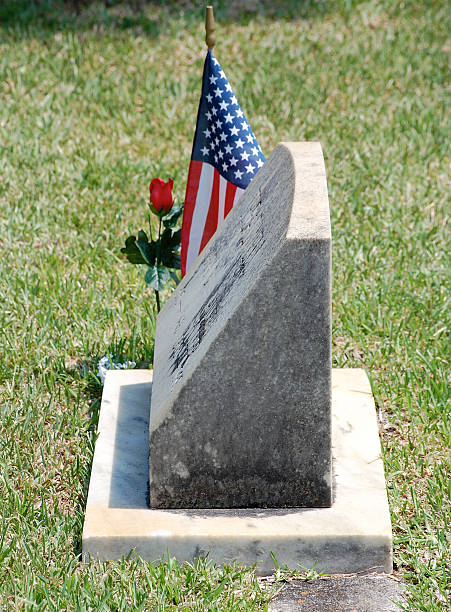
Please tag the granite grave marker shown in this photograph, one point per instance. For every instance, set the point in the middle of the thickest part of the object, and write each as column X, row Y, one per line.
column 241, row 397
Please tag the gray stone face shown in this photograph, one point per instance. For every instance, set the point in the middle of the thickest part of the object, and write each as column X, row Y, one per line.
column 240, row 411
column 362, row 594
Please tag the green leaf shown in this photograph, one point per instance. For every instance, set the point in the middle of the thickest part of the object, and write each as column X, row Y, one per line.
column 132, row 252
column 165, row 239
column 174, row 277
column 170, row 239
column 176, row 238
column 146, row 248
column 170, row 259
column 171, row 219
column 168, row 246
column 157, row 277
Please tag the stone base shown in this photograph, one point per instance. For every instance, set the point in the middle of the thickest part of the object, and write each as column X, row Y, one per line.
column 350, row 593
column 354, row 535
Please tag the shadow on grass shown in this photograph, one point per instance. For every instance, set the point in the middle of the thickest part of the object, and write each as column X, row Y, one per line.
column 92, row 392
column 38, row 18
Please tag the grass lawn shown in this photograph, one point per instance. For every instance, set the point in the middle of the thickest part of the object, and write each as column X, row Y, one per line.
column 92, row 106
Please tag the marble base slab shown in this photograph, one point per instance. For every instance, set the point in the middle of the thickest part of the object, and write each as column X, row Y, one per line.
column 354, row 535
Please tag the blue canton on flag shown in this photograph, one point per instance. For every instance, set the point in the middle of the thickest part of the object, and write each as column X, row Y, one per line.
column 225, row 158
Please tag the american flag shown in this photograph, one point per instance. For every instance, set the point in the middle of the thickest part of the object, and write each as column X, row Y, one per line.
column 226, row 156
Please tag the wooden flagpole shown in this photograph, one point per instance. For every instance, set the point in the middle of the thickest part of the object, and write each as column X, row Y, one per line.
column 210, row 37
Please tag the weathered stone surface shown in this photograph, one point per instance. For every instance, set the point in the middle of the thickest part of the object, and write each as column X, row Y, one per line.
column 241, row 393
column 347, row 594
column 353, row 535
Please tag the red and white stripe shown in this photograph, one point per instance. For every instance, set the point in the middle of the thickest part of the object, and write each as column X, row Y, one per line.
column 208, row 200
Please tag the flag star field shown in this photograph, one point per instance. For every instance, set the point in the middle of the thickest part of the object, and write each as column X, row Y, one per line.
column 224, row 138
column 226, row 156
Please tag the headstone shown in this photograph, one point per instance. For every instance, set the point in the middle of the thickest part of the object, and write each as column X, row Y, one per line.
column 241, row 398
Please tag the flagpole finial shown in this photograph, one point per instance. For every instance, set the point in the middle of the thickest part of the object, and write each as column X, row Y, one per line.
column 210, row 37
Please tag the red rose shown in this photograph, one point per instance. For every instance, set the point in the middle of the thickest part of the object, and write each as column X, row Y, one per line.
column 161, row 196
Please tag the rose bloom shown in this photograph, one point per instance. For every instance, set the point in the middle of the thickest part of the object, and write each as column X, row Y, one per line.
column 161, row 196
